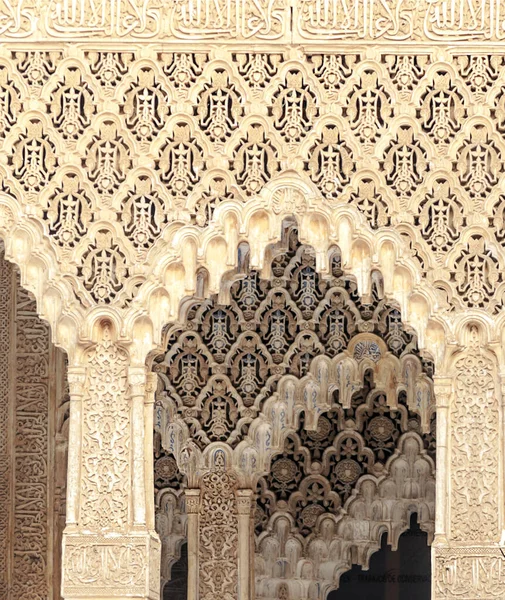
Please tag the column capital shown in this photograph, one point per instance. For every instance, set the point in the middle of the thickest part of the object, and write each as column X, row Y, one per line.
column 443, row 387
column 244, row 498
column 192, row 501
column 137, row 378
column 76, row 377
column 151, row 385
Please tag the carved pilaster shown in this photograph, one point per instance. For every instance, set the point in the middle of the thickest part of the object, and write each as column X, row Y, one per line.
column 110, row 550
column 468, row 565
column 218, row 533
column 5, row 463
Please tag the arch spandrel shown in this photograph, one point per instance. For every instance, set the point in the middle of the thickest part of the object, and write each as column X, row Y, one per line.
column 222, row 209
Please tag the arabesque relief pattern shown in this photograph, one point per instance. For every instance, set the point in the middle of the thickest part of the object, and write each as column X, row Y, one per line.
column 158, row 159
column 34, row 408
column 367, row 462
column 155, row 144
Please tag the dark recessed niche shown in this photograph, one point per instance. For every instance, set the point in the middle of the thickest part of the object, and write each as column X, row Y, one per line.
column 401, row 575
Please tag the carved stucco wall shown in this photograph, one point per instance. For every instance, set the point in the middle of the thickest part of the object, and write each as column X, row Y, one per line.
column 344, row 475
column 33, row 409
column 138, row 164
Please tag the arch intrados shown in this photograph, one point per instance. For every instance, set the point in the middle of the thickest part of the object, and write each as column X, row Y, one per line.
column 265, row 425
column 351, row 553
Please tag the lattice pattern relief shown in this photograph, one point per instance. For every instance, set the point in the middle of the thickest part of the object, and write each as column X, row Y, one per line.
column 225, row 361
column 412, row 141
column 318, row 470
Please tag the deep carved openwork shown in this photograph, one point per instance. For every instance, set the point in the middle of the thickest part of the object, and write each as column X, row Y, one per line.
column 151, row 152
column 224, row 361
column 398, row 137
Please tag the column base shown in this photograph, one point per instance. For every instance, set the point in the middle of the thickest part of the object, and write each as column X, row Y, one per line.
column 468, row 573
column 106, row 566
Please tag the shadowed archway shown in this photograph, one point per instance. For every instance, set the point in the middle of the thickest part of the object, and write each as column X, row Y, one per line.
column 400, row 574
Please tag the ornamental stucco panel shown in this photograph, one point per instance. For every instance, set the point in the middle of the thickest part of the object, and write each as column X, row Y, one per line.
column 153, row 152
column 278, row 21
column 33, row 413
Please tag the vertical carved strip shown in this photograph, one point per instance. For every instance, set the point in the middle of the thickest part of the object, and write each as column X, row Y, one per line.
column 245, row 559
column 218, row 555
column 108, row 550
column 5, row 343
column 31, row 575
column 58, row 438
column 31, row 465
column 468, row 565
column 106, row 440
column 475, row 464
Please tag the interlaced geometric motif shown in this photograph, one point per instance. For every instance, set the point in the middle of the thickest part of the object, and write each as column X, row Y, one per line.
column 318, row 470
column 391, row 134
column 332, row 70
column 405, row 164
column 254, row 161
column 479, row 72
column 72, row 105
column 69, row 211
column 294, row 108
column 330, row 163
column 219, row 108
column 478, row 164
column 258, row 69
column 144, row 214
column 109, row 67
column 10, row 102
column 181, row 162
column 224, row 361
column 441, row 217
column 108, row 159
column 146, row 106
column 442, row 108
column 36, row 67
column 34, row 160
column 368, row 109
column 406, row 71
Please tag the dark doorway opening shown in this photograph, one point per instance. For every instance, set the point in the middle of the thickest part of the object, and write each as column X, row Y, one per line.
column 401, row 575
column 177, row 587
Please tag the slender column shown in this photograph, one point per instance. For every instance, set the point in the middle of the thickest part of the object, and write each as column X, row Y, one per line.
column 109, row 549
column 137, row 378
column 192, row 510
column 244, row 498
column 76, row 381
column 151, row 383
column 443, row 390
column 468, row 561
